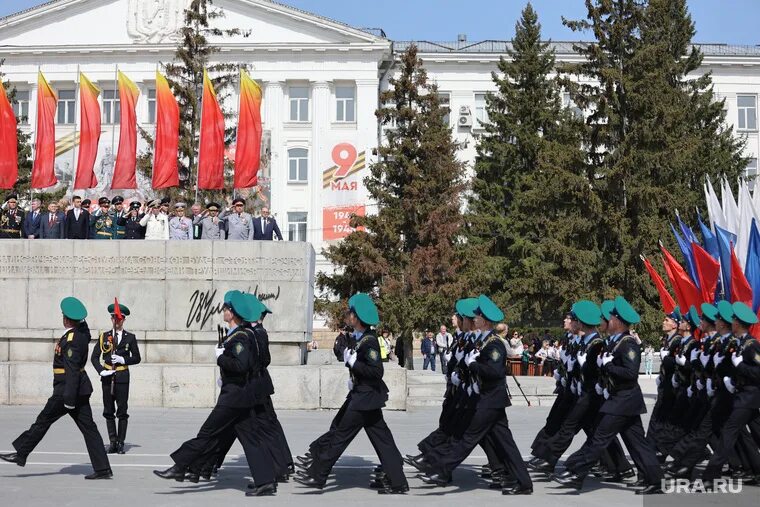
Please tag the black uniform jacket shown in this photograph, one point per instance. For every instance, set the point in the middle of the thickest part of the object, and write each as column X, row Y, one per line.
column 235, row 367
column 748, row 375
column 69, row 378
column 589, row 372
column 369, row 392
column 490, row 370
column 130, row 227
column 264, row 359
column 622, row 378
column 127, row 348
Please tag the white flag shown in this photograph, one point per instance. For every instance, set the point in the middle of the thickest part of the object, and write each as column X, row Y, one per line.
column 714, row 208
column 730, row 208
column 746, row 215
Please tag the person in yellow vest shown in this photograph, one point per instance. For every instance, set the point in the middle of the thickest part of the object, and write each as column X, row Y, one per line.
column 384, row 346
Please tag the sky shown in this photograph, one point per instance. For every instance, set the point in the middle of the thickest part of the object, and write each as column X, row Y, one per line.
column 717, row 21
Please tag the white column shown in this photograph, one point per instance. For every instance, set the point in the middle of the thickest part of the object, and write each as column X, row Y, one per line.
column 366, row 121
column 320, row 152
column 272, row 121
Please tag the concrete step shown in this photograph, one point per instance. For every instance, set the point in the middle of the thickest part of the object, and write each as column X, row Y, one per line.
column 428, row 391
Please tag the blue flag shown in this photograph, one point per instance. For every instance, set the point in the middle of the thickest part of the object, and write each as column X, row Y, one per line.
column 688, row 254
column 725, row 240
column 752, row 269
column 711, row 242
column 686, row 230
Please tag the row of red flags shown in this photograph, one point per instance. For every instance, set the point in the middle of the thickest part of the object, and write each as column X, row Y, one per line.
column 166, row 143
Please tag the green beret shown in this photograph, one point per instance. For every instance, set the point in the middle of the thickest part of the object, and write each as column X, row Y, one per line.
column 242, row 306
column 228, row 295
column 725, row 311
column 625, row 312
column 259, row 308
column 364, row 308
column 744, row 313
column 607, row 307
column 586, row 312
column 709, row 312
column 73, row 309
column 675, row 315
column 488, row 309
column 123, row 308
column 692, row 316
column 466, row 307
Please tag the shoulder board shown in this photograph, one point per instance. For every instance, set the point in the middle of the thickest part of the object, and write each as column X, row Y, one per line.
column 70, row 336
column 623, row 339
column 594, row 342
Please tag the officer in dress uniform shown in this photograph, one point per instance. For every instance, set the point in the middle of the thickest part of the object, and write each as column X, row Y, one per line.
column 368, row 394
column 71, row 394
column 622, row 408
column 211, row 225
column 238, row 222
column 119, row 214
column 11, row 218
column 180, row 227
column 112, row 356
column 131, row 222
column 103, row 221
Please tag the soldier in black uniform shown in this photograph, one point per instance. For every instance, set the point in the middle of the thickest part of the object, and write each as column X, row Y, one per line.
column 368, row 395
column 11, row 218
column 71, row 394
column 118, row 214
column 130, row 222
column 102, row 221
column 112, row 356
column 621, row 410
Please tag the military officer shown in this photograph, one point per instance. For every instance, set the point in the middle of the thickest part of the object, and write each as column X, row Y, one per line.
column 112, row 356
column 119, row 214
column 11, row 218
column 238, row 222
column 131, row 222
column 103, row 221
column 71, row 394
column 180, row 227
column 211, row 226
column 368, row 395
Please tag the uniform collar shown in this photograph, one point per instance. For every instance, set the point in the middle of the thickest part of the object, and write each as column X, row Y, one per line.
column 231, row 330
column 587, row 338
column 615, row 337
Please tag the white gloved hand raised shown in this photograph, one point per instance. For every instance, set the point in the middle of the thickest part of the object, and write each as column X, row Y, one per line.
column 455, row 379
column 599, row 390
column 704, row 359
column 219, row 351
column 563, row 381
column 718, row 358
column 581, row 359
column 664, row 353
column 674, row 381
column 563, row 355
column 694, row 355
column 599, row 360
column 571, row 364
column 607, row 359
column 351, row 359
column 447, row 356
column 469, row 390
column 471, row 357
column 117, row 359
column 729, row 385
column 737, row 359
column 680, row 359
column 106, row 373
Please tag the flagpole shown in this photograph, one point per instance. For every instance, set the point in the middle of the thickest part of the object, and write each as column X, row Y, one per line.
column 74, row 148
column 200, row 137
column 155, row 128
column 237, row 137
column 36, row 130
column 113, row 119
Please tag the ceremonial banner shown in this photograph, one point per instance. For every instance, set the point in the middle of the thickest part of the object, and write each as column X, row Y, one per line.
column 211, row 152
column 89, row 135
column 668, row 305
column 687, row 293
column 43, row 170
column 8, row 142
column 166, row 146
column 708, row 271
column 126, row 158
column 343, row 193
column 740, row 288
column 248, row 144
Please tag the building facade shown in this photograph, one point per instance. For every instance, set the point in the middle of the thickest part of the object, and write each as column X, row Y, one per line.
column 321, row 80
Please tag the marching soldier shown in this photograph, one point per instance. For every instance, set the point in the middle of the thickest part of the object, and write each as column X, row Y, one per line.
column 71, row 394
column 239, row 223
column 211, row 226
column 112, row 356
column 119, row 215
column 102, row 221
column 11, row 218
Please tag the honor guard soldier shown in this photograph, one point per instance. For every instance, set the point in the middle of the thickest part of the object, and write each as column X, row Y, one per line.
column 180, row 227
column 119, row 215
column 71, row 394
column 112, row 356
column 239, row 223
column 210, row 224
column 102, row 221
column 11, row 218
column 131, row 222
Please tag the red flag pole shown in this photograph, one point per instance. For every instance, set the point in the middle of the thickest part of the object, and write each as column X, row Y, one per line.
column 200, row 137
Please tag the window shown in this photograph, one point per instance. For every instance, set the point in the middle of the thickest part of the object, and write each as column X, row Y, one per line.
column 21, row 106
column 445, row 100
column 751, row 173
column 568, row 103
column 345, row 101
column 481, row 112
column 151, row 105
column 299, row 103
column 297, row 226
column 67, row 107
column 298, row 164
column 747, row 105
column 111, row 107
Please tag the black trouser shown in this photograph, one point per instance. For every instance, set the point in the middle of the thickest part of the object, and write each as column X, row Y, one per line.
column 116, row 406
column 379, row 435
column 445, row 424
column 273, row 437
column 630, row 428
column 487, row 424
column 733, row 432
column 562, row 405
column 82, row 416
column 688, row 451
column 322, row 441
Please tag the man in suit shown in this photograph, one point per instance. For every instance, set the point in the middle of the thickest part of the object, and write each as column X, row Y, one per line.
column 265, row 226
column 77, row 223
column 116, row 351
column 53, row 223
column 31, row 227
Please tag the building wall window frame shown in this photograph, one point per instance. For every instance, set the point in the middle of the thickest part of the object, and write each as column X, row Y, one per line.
column 20, row 106
column 481, row 110
column 445, row 101
column 151, row 96
column 751, row 173
column 111, row 107
column 345, row 103
column 297, row 225
column 299, row 103
column 747, row 112
column 298, row 164
column 67, row 107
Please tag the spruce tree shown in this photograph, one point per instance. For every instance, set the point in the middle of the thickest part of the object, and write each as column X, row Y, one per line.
column 409, row 252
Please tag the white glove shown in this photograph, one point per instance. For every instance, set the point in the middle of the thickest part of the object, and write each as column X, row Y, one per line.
column 658, row 380
column 219, row 381
column 598, row 389
column 459, row 354
column 700, row 385
column 475, row 388
column 563, row 355
column 694, row 354
column 346, row 355
column 729, row 385
column 447, row 356
column 737, row 359
column 68, row 407
column 710, row 385
column 710, row 392
column 718, row 358
column 350, row 385
column 117, row 359
column 599, row 360
column 664, row 353
column 219, row 351
column 471, row 357
column 351, row 359
column 469, row 390
column 572, row 387
column 570, row 364
column 455, row 379
column 680, row 359
column 563, row 381
column 606, row 394
column 704, row 359
column 606, row 359
column 106, row 373
column 557, row 376
column 674, row 381
column 689, row 392
column 581, row 359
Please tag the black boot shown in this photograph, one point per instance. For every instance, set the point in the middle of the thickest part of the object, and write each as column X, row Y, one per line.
column 111, row 427
column 569, row 479
column 14, row 457
column 102, row 474
column 122, row 436
column 263, row 490
column 176, row 472
column 394, row 490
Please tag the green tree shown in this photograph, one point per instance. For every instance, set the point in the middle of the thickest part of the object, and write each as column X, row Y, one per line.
column 408, row 253
column 531, row 204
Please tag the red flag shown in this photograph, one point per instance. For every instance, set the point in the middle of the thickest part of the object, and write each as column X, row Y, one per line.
column 89, row 136
column 687, row 293
column 117, row 309
column 668, row 305
column 165, row 149
column 43, row 170
column 126, row 158
column 248, row 149
column 741, row 290
column 8, row 142
column 708, row 271
column 211, row 152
